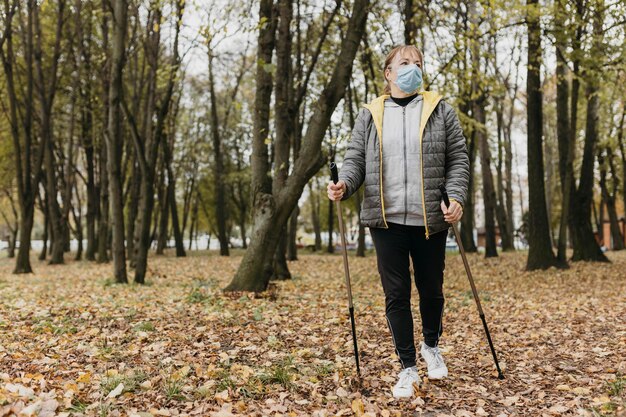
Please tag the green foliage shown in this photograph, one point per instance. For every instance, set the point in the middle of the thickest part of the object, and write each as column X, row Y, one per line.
column 280, row 373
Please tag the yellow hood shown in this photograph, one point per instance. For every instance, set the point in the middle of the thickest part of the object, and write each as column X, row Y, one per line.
column 377, row 107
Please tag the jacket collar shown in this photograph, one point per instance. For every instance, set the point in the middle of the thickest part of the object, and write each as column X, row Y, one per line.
column 377, row 108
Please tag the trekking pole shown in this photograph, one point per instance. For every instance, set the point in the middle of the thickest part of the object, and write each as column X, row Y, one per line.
column 335, row 179
column 446, row 200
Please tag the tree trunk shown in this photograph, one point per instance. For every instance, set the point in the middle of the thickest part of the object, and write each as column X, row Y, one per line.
column 163, row 223
column 565, row 138
column 616, row 238
column 271, row 211
column 489, row 192
column 13, row 229
column 178, row 233
column 478, row 114
column 283, row 123
column 103, row 190
column 22, row 262
column 194, row 222
column 12, row 242
column 46, row 229
column 292, row 248
column 219, row 175
column 86, row 126
column 506, row 231
column 468, row 219
column 360, row 249
column 47, row 89
column 586, row 247
column 280, row 269
column 78, row 219
column 28, row 165
column 315, row 217
column 540, row 255
column 103, row 223
column 114, row 140
column 133, row 211
column 171, row 198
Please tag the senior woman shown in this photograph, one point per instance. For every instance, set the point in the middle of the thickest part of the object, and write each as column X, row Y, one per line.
column 404, row 144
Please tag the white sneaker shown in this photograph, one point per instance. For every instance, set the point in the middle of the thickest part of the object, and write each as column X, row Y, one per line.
column 436, row 366
column 406, row 379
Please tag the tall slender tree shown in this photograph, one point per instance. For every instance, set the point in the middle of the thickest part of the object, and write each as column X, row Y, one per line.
column 540, row 254
column 114, row 138
column 586, row 248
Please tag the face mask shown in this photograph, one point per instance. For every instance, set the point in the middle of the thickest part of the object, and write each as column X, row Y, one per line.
column 409, row 78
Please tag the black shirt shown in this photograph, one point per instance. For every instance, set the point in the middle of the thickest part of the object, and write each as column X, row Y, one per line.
column 403, row 101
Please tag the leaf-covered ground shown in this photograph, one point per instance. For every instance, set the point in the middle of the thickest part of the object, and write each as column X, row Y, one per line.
column 73, row 343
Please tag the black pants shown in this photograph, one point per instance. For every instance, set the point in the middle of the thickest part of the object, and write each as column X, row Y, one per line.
column 393, row 248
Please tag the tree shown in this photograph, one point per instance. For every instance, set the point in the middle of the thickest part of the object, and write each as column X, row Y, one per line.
column 272, row 208
column 586, row 247
column 28, row 157
column 114, row 138
column 147, row 144
column 540, row 255
column 480, row 94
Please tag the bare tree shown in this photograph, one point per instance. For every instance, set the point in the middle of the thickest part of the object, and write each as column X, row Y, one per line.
column 272, row 208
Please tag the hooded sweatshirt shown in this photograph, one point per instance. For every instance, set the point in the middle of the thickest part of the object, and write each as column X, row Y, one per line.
column 402, row 177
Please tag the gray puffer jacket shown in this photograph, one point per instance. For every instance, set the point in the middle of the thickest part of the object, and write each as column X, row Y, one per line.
column 444, row 159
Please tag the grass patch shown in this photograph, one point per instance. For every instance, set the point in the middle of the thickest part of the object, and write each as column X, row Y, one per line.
column 281, row 373
column 78, row 406
column 105, row 409
column 224, row 380
column 131, row 382
column 252, row 389
column 616, row 388
column 47, row 326
column 173, row 389
column 197, row 296
column 144, row 326
column 324, row 369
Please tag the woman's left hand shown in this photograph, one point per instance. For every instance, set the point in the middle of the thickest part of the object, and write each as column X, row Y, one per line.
column 453, row 213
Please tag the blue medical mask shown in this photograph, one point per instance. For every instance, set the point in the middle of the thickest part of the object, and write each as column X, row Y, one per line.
column 409, row 78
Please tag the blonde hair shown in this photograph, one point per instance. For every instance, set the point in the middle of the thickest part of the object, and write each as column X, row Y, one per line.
column 400, row 49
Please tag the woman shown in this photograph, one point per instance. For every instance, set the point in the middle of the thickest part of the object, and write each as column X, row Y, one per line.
column 422, row 146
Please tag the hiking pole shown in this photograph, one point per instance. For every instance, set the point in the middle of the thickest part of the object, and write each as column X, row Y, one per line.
column 446, row 200
column 335, row 178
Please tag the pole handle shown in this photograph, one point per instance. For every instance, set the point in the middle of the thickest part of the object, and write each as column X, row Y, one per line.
column 444, row 194
column 334, row 175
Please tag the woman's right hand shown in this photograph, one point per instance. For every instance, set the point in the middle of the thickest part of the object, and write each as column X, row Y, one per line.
column 336, row 191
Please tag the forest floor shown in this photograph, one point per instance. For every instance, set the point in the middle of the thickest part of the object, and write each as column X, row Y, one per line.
column 74, row 343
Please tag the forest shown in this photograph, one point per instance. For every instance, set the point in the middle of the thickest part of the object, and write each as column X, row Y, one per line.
column 132, row 126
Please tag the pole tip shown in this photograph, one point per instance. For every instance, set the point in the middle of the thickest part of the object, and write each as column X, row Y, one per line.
column 500, row 376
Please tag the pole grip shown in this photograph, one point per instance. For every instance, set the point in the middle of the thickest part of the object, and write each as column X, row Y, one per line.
column 444, row 194
column 334, row 175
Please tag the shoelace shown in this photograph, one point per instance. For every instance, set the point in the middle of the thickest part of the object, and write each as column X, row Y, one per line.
column 405, row 378
column 436, row 355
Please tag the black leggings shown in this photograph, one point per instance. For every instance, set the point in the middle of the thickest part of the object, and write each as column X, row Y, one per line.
column 393, row 248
